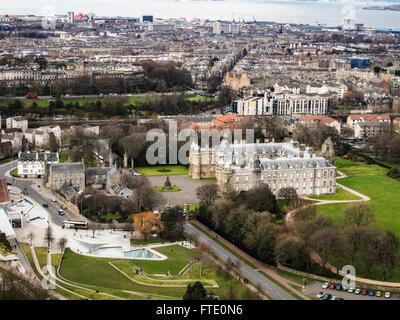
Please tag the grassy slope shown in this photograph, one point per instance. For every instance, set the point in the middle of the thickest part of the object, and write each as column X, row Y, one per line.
column 385, row 196
column 178, row 257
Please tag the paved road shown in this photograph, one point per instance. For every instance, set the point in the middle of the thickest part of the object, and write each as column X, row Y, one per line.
column 266, row 285
column 26, row 185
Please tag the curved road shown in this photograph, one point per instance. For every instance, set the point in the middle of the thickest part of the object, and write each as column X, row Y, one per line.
column 266, row 285
column 26, row 185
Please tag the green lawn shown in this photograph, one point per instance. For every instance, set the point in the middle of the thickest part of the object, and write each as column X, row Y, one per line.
column 340, row 194
column 173, row 189
column 202, row 99
column 359, row 168
column 385, row 196
column 99, row 274
column 383, row 191
column 178, row 257
column 41, row 254
column 173, row 170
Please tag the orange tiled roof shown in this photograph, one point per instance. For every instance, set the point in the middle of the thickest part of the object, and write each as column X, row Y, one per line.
column 370, row 117
column 321, row 118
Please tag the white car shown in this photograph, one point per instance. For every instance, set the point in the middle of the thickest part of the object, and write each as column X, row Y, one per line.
column 325, row 285
column 388, row 294
column 333, row 298
column 53, row 200
column 351, row 290
column 320, row 295
column 357, row 291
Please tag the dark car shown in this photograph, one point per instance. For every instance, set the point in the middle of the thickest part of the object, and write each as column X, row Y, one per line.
column 371, row 293
column 45, row 205
column 338, row 298
column 364, row 292
column 9, row 184
column 339, row 287
column 327, row 296
column 63, row 207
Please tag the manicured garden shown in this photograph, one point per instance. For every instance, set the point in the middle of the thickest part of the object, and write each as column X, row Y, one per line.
column 172, row 189
column 340, row 194
column 359, row 168
column 114, row 275
column 167, row 170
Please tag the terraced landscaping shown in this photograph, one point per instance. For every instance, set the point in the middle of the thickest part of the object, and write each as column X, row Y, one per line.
column 118, row 276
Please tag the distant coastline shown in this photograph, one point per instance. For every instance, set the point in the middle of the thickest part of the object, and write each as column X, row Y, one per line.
column 393, row 7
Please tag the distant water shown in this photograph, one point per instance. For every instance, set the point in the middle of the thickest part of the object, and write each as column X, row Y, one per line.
column 330, row 13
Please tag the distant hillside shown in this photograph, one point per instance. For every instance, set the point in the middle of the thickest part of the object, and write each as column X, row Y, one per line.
column 393, row 7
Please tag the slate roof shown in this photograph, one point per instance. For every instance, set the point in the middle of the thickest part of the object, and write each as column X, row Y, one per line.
column 31, row 156
column 73, row 166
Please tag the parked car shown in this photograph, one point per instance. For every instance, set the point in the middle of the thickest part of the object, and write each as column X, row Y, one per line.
column 357, row 291
column 338, row 298
column 53, row 200
column 364, row 292
column 326, row 285
column 61, row 212
column 63, row 207
column 339, row 287
column 327, row 296
column 388, row 294
column 45, row 205
column 320, row 295
column 332, row 287
column 351, row 290
column 333, row 298
column 371, row 293
column 379, row 294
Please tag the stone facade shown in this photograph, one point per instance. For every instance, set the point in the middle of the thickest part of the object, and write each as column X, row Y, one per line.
column 241, row 167
column 73, row 174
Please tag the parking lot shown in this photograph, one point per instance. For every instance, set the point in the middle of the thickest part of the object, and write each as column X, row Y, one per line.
column 314, row 288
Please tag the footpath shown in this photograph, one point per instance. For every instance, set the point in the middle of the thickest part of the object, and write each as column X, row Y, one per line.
column 269, row 270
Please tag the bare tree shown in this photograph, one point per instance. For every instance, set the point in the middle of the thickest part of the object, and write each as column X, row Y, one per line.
column 49, row 236
column 327, row 242
column 62, row 243
column 359, row 214
column 207, row 193
column 93, row 226
column 31, row 236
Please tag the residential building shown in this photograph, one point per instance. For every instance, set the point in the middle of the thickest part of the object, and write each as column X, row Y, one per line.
column 17, row 122
column 34, row 164
column 72, row 174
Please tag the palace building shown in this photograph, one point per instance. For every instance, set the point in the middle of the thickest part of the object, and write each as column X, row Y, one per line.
column 241, row 167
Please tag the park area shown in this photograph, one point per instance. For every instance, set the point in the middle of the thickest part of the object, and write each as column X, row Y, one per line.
column 384, row 192
column 85, row 277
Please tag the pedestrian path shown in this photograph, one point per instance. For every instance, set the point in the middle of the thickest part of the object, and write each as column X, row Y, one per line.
column 314, row 255
column 269, row 270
